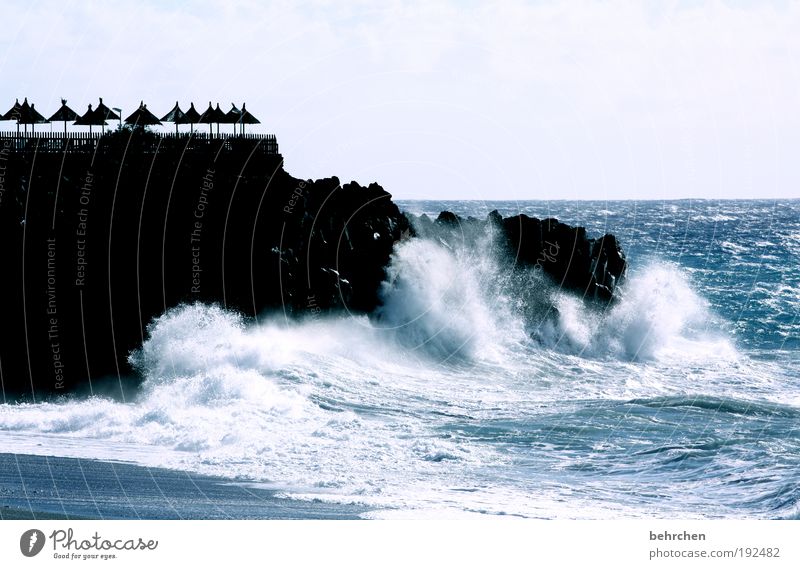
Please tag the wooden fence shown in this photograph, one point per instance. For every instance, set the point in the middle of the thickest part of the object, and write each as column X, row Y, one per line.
column 84, row 142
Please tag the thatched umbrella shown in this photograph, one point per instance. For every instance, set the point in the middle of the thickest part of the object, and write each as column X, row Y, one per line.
column 64, row 114
column 91, row 118
column 233, row 116
column 208, row 118
column 247, row 118
column 37, row 117
column 106, row 114
column 30, row 116
column 24, row 114
column 141, row 117
column 211, row 116
column 176, row 115
column 14, row 113
column 220, row 116
column 190, row 117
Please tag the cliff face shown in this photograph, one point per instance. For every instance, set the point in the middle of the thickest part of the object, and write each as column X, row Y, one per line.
column 97, row 244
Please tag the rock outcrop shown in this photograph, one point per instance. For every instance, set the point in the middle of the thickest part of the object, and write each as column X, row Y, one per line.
column 96, row 243
column 589, row 267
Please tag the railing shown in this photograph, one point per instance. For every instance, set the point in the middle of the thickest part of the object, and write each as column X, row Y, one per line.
column 84, row 142
column 49, row 141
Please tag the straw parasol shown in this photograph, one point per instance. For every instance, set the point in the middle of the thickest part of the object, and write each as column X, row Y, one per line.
column 247, row 118
column 233, row 116
column 211, row 116
column 64, row 114
column 141, row 117
column 91, row 118
column 191, row 117
column 106, row 113
column 30, row 116
column 176, row 115
column 13, row 114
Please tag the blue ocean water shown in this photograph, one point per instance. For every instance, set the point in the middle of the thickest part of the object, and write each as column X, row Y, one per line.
column 463, row 396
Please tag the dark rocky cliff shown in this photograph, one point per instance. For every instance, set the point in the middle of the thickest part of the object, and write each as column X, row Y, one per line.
column 95, row 244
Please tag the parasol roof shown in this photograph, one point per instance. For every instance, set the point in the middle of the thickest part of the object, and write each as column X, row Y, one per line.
column 13, row 113
column 191, row 116
column 212, row 115
column 142, row 117
column 105, row 112
column 233, row 116
column 64, row 113
column 246, row 117
column 90, row 118
column 176, row 115
column 29, row 114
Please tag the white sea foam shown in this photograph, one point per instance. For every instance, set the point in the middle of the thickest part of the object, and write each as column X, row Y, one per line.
column 659, row 316
column 714, row 218
column 448, row 303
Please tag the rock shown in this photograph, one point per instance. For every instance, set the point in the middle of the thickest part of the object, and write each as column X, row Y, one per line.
column 448, row 218
column 97, row 244
column 589, row 267
column 112, row 240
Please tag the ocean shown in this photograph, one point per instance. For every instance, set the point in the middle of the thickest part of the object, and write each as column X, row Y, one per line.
column 478, row 390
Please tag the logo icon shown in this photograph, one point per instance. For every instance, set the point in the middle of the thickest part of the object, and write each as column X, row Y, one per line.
column 31, row 542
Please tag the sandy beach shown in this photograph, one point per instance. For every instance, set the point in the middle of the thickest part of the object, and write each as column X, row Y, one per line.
column 47, row 487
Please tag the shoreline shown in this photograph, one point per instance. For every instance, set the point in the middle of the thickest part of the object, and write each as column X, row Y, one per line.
column 57, row 488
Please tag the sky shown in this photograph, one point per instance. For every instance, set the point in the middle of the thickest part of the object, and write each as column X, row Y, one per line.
column 451, row 99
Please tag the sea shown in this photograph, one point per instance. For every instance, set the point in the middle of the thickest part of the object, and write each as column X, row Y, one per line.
column 462, row 397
